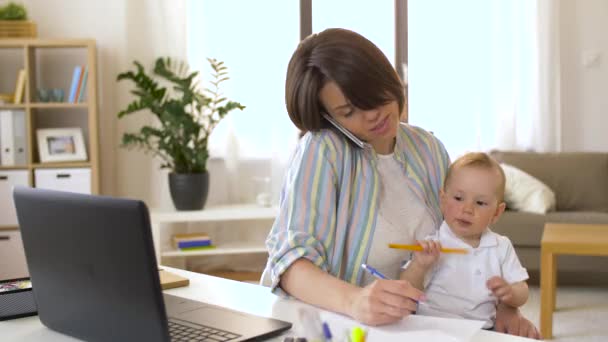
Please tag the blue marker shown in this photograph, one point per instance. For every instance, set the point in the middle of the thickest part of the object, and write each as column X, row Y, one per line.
column 326, row 332
column 374, row 271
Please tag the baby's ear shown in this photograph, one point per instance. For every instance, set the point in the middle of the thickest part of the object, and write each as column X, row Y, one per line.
column 499, row 210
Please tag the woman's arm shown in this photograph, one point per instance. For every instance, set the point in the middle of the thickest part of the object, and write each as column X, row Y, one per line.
column 382, row 302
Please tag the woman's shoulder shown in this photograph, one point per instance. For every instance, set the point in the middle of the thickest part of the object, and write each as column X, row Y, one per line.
column 423, row 141
column 323, row 146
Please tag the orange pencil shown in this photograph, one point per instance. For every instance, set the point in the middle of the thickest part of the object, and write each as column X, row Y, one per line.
column 418, row 248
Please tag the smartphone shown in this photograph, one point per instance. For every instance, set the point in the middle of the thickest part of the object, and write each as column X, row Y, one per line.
column 15, row 285
column 341, row 128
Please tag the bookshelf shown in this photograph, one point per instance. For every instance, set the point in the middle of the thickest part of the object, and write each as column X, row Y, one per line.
column 49, row 63
column 162, row 227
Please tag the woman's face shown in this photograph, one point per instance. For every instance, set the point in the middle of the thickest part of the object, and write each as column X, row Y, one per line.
column 376, row 126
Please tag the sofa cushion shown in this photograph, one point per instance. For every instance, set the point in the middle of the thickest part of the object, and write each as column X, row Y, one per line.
column 579, row 179
column 526, row 193
column 526, row 229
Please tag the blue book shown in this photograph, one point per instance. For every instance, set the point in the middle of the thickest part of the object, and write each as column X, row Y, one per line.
column 83, row 85
column 199, row 243
column 75, row 82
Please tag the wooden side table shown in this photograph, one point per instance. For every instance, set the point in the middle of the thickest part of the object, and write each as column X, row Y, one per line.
column 564, row 238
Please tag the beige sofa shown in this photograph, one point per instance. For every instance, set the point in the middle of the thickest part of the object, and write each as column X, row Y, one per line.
column 580, row 183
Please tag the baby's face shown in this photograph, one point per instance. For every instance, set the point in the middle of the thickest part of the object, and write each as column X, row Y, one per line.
column 470, row 202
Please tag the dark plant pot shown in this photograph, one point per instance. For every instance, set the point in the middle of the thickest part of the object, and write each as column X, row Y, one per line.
column 189, row 190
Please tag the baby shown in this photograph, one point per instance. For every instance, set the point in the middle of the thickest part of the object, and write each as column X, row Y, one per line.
column 469, row 285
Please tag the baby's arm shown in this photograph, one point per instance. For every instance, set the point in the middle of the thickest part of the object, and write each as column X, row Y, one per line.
column 515, row 294
column 421, row 264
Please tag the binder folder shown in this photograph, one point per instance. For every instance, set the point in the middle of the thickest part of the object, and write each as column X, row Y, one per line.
column 13, row 140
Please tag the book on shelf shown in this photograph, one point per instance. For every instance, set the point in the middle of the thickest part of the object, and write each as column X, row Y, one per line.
column 194, row 243
column 83, row 85
column 20, row 87
column 201, row 248
column 192, row 240
column 76, row 78
column 190, row 237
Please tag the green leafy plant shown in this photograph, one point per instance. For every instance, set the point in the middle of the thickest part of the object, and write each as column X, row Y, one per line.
column 13, row 11
column 186, row 114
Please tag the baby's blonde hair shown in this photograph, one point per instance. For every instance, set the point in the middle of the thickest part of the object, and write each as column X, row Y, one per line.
column 479, row 160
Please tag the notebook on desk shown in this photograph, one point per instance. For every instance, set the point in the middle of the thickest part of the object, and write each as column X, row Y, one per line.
column 95, row 276
column 170, row 280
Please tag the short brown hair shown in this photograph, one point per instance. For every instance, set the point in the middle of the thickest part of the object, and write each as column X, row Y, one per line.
column 359, row 68
column 481, row 160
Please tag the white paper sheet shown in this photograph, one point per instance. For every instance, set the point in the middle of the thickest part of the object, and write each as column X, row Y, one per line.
column 308, row 319
column 412, row 328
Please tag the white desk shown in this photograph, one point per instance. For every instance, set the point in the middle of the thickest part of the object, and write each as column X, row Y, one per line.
column 240, row 296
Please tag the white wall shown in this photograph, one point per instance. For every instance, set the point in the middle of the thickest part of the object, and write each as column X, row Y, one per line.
column 584, row 32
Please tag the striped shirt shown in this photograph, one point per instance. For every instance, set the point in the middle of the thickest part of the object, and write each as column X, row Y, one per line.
column 329, row 201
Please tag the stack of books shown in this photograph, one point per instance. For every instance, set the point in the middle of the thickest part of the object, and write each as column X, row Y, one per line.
column 192, row 242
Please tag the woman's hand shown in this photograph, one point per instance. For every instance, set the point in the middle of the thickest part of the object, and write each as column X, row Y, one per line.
column 384, row 302
column 429, row 255
column 509, row 320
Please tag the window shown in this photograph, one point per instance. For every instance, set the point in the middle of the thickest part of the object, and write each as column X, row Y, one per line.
column 255, row 40
column 472, row 72
column 375, row 20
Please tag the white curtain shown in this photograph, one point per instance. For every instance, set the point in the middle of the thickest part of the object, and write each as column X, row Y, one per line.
column 154, row 28
column 549, row 61
column 249, row 148
column 485, row 74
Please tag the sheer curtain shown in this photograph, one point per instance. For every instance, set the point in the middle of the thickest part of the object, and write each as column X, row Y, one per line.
column 153, row 28
column 255, row 40
column 485, row 74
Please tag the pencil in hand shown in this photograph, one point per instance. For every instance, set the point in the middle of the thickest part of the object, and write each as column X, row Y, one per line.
column 418, row 248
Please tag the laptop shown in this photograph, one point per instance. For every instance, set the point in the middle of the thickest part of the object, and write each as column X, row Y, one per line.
column 95, row 277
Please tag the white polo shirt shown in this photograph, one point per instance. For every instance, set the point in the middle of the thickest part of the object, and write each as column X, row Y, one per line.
column 456, row 286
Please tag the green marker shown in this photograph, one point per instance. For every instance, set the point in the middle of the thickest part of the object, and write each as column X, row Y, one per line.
column 357, row 335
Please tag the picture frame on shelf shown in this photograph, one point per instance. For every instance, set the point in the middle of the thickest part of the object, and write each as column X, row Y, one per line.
column 61, row 144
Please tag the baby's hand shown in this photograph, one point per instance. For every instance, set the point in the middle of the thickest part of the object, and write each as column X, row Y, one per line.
column 429, row 255
column 500, row 288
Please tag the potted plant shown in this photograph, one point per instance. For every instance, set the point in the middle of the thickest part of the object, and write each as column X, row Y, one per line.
column 186, row 117
column 14, row 23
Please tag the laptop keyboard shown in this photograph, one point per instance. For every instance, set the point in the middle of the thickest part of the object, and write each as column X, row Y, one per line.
column 186, row 331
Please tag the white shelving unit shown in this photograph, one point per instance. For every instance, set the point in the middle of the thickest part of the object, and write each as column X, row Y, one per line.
column 161, row 221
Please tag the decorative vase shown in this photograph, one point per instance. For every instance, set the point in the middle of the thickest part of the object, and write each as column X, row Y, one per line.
column 189, row 190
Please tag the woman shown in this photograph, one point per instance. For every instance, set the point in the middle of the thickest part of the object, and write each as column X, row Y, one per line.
column 358, row 180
